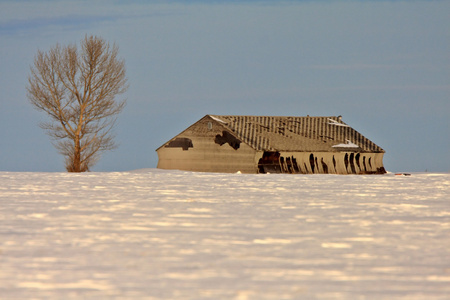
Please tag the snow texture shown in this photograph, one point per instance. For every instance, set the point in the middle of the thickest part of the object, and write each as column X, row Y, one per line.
column 155, row 234
column 217, row 119
column 348, row 144
column 336, row 123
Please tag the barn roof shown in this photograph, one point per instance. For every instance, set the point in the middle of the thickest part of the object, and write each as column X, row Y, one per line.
column 268, row 133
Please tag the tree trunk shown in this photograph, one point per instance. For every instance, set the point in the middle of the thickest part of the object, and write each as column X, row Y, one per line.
column 76, row 163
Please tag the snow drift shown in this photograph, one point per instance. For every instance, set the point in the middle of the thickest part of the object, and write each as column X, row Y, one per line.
column 158, row 234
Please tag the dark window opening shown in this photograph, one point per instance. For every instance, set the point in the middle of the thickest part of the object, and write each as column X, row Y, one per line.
column 352, row 163
column 370, row 162
column 184, row 143
column 227, row 137
column 364, row 163
column 357, row 160
column 289, row 166
column 324, row 166
column 311, row 162
column 346, row 161
column 295, row 166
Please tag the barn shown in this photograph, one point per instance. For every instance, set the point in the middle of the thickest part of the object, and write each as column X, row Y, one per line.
column 268, row 144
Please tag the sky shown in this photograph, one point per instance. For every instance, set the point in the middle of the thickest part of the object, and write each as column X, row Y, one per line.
column 383, row 65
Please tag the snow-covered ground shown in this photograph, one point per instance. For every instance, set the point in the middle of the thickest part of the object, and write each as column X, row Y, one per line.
column 154, row 234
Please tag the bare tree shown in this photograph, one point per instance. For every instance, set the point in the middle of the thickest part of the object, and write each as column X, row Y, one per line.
column 78, row 89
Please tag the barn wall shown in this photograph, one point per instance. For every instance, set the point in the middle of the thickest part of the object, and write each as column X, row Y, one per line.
column 210, row 146
column 328, row 163
column 207, row 146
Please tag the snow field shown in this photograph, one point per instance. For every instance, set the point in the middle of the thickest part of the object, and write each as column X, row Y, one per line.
column 154, row 234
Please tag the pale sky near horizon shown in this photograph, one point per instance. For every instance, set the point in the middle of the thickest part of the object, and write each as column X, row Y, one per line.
column 383, row 65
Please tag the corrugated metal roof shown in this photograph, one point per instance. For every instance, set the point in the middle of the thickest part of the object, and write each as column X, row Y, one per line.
column 268, row 133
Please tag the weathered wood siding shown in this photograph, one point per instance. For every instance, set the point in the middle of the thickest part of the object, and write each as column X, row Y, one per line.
column 252, row 144
column 332, row 162
column 207, row 146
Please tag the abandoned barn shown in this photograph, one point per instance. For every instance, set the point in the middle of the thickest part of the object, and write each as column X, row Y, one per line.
column 263, row 144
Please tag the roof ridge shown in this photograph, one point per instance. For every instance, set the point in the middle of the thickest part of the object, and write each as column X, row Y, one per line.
column 267, row 116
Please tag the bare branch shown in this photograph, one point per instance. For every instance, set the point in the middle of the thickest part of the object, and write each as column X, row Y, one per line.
column 78, row 90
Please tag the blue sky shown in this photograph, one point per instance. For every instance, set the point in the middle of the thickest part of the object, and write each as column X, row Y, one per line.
column 383, row 65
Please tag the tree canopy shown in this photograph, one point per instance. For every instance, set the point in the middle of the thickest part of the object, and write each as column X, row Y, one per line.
column 77, row 88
